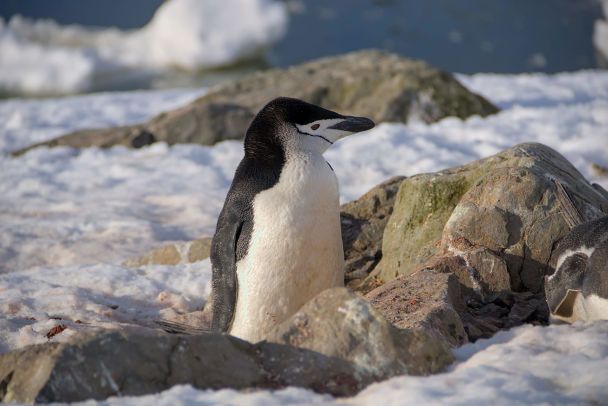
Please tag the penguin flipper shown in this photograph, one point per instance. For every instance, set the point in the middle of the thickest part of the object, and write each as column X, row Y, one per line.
column 224, row 279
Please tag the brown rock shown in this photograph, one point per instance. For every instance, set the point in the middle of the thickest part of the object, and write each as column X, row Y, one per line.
column 363, row 222
column 501, row 211
column 425, row 300
column 338, row 323
column 375, row 84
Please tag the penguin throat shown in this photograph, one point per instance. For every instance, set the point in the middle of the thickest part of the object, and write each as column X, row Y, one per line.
column 312, row 135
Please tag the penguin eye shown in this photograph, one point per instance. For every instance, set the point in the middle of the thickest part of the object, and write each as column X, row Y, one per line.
column 315, row 126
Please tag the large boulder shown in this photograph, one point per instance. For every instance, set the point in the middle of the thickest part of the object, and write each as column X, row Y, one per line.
column 338, row 323
column 499, row 214
column 374, row 84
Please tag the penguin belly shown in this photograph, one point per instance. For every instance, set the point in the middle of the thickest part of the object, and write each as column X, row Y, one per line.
column 295, row 250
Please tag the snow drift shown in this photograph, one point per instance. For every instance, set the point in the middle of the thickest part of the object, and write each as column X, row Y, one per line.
column 42, row 57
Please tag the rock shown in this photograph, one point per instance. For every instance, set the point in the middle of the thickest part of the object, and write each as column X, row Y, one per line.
column 427, row 300
column 338, row 323
column 363, row 222
column 500, row 211
column 121, row 364
column 174, row 254
column 374, row 84
column 483, row 319
column 129, row 136
column 446, row 299
column 339, row 353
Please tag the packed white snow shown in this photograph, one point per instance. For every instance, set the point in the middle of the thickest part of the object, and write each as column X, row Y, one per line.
column 68, row 218
column 41, row 56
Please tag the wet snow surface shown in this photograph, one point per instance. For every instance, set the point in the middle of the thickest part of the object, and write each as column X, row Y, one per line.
column 68, row 218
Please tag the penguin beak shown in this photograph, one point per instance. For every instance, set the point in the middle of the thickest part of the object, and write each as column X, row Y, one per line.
column 353, row 124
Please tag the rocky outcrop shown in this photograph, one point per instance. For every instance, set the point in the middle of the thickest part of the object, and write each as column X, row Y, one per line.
column 466, row 250
column 499, row 214
column 374, row 84
column 338, row 323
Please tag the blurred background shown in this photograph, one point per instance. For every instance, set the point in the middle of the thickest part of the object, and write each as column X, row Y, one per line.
column 74, row 46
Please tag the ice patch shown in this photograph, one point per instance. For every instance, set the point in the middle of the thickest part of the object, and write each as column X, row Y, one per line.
column 41, row 57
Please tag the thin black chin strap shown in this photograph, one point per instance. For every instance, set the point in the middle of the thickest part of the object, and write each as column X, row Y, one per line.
column 312, row 135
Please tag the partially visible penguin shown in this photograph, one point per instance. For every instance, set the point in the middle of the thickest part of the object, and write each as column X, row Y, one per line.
column 278, row 240
column 578, row 289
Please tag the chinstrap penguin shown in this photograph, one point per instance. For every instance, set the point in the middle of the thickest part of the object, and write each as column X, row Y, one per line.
column 278, row 240
column 578, row 289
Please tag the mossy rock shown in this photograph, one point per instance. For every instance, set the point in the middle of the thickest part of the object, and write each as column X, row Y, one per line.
column 504, row 206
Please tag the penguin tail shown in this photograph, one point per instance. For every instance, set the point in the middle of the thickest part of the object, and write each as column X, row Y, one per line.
column 174, row 327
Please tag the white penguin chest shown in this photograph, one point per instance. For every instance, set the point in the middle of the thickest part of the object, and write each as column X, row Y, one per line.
column 295, row 250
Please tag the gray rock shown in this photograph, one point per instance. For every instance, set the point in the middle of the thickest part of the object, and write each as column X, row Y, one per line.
column 363, row 221
column 428, row 299
column 500, row 211
column 338, row 323
column 120, row 364
column 375, row 84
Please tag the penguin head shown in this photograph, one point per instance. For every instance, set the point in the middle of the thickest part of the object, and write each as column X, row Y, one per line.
column 295, row 125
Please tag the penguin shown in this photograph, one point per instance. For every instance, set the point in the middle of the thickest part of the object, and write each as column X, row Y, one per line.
column 578, row 289
column 278, row 240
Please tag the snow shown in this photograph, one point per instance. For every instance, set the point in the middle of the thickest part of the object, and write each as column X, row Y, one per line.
column 600, row 33
column 96, row 296
column 28, row 121
column 43, row 57
column 68, row 218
